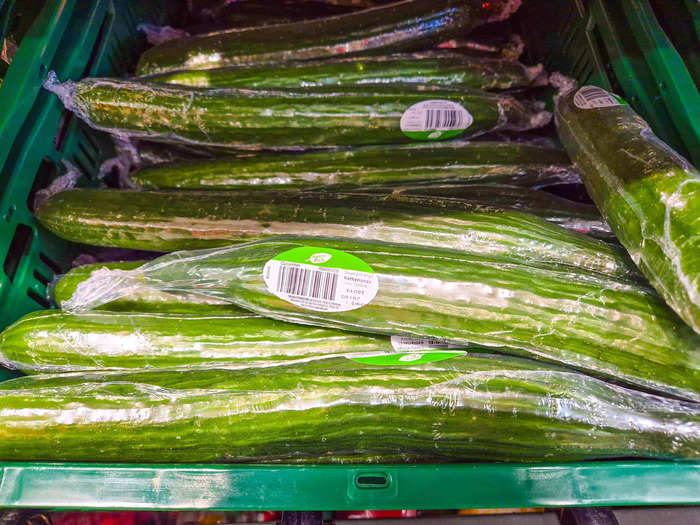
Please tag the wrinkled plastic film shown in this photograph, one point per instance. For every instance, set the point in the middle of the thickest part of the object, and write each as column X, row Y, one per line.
column 604, row 326
column 251, row 119
column 159, row 221
column 160, row 34
column 336, row 411
column 65, row 182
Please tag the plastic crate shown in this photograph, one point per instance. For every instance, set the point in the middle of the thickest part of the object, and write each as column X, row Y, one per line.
column 76, row 38
column 620, row 46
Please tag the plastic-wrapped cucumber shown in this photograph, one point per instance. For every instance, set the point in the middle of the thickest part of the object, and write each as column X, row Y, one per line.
column 594, row 322
column 172, row 220
column 51, row 341
column 458, row 161
column 148, row 301
column 291, row 118
column 482, row 407
column 575, row 216
column 409, row 24
column 439, row 68
column 648, row 193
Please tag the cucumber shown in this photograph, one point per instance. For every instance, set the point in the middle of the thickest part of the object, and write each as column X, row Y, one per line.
column 602, row 325
column 454, row 161
column 150, row 301
column 477, row 407
column 168, row 220
column 409, row 24
column 51, row 341
column 648, row 193
column 437, row 68
column 291, row 118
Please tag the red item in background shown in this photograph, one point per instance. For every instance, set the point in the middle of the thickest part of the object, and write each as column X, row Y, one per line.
column 375, row 514
column 103, row 518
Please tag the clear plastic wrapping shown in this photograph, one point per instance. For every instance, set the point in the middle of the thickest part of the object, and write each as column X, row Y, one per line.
column 294, row 119
column 602, row 325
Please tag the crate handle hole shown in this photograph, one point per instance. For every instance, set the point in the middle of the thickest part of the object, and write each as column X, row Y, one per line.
column 372, row 480
column 41, row 301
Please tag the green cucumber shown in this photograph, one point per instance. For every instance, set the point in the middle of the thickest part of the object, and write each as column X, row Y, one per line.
column 602, row 325
column 439, row 68
column 51, row 341
column 409, row 24
column 170, row 220
column 291, row 118
column 648, row 193
column 476, row 407
column 454, row 161
column 149, row 301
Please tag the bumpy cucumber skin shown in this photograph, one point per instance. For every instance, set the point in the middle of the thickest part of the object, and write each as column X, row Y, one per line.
column 402, row 25
column 604, row 326
column 336, row 411
column 300, row 118
column 648, row 194
column 438, row 68
column 168, row 221
column 51, row 341
column 146, row 301
column 453, row 161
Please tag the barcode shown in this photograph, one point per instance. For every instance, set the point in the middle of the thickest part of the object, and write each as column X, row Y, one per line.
column 443, row 119
column 594, row 94
column 316, row 284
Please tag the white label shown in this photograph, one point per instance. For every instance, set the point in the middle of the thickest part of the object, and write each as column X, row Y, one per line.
column 592, row 97
column 416, row 344
column 435, row 117
column 320, row 289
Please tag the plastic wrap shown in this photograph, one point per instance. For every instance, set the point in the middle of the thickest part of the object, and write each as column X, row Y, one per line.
column 605, row 326
column 477, row 407
column 65, row 182
column 403, row 25
column 574, row 216
column 452, row 161
column 495, row 47
column 51, row 341
column 438, row 68
column 170, row 220
column 647, row 192
column 161, row 34
column 298, row 118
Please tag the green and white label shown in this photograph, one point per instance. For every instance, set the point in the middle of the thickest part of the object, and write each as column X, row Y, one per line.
column 321, row 279
column 407, row 358
column 415, row 344
column 435, row 120
column 593, row 97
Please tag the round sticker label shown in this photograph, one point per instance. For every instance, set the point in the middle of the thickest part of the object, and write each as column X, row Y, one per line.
column 321, row 279
column 435, row 120
column 593, row 97
column 406, row 359
column 415, row 344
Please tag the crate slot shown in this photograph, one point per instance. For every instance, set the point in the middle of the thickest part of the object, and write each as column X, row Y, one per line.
column 41, row 278
column 372, row 480
column 46, row 173
column 42, row 301
column 97, row 46
column 19, row 247
column 55, row 268
column 59, row 139
column 90, row 154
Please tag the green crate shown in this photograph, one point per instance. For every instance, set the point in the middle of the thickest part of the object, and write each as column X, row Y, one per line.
column 77, row 38
column 619, row 46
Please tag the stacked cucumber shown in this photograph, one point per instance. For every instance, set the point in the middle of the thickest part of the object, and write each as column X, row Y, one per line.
column 370, row 256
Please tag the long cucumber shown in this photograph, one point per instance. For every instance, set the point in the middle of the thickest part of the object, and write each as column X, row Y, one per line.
column 51, row 341
column 438, row 68
column 648, row 193
column 290, row 118
column 167, row 221
column 453, row 161
column 621, row 330
column 409, row 24
column 337, row 411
